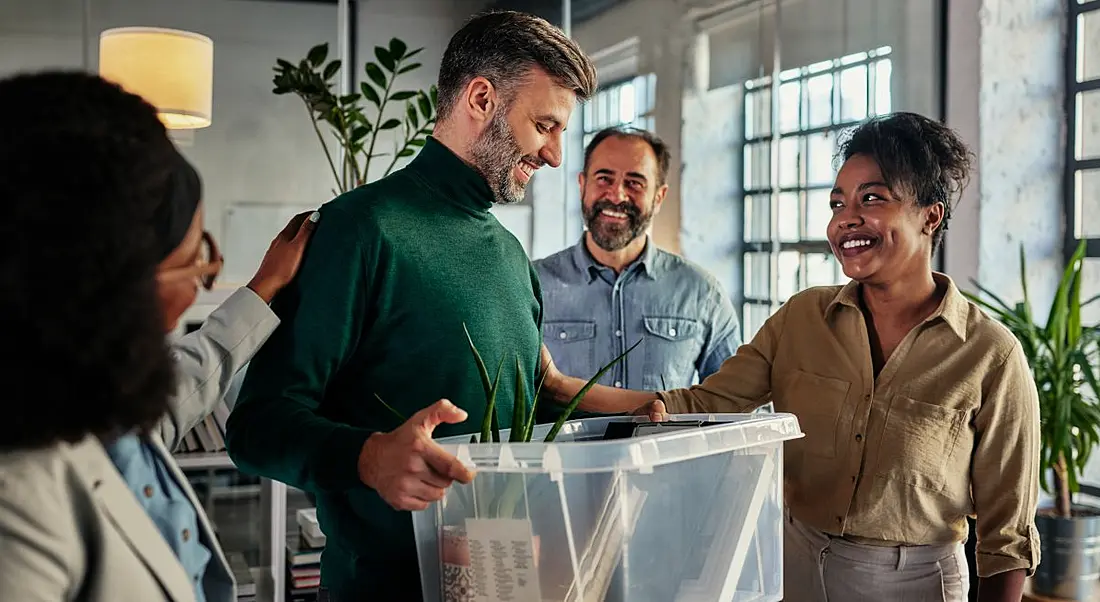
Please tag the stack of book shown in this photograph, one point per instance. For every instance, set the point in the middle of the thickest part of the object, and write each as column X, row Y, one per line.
column 303, row 558
column 209, row 434
column 246, row 585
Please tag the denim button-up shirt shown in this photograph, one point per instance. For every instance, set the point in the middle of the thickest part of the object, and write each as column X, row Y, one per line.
column 685, row 320
column 165, row 502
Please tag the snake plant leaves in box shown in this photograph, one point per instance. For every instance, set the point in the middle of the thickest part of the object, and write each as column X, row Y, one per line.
column 522, row 424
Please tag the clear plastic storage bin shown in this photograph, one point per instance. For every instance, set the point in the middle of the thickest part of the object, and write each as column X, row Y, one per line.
column 687, row 515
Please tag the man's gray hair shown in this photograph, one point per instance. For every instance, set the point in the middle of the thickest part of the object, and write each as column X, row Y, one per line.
column 503, row 47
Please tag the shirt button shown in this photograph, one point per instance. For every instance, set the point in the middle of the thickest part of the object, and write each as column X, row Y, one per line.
column 148, row 491
column 859, row 437
column 619, row 383
column 186, row 535
column 562, row 335
column 671, row 332
column 618, row 333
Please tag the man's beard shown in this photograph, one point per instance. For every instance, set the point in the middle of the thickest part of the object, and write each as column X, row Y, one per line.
column 495, row 154
column 612, row 237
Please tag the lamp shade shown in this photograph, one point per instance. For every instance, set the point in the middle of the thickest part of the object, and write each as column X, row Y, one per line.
column 173, row 70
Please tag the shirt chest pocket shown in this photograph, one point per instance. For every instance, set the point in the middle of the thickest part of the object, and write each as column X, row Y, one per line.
column 672, row 346
column 919, row 442
column 572, row 344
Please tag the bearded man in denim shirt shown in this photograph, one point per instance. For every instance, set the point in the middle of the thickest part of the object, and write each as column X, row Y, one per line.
column 615, row 286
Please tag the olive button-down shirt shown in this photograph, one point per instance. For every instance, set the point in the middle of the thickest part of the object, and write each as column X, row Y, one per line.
column 950, row 427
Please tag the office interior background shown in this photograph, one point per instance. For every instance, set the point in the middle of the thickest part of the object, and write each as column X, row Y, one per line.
column 751, row 95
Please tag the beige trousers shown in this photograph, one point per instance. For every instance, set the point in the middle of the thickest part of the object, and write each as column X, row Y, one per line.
column 820, row 568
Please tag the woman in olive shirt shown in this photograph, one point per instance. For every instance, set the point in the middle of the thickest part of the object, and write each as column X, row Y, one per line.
column 918, row 408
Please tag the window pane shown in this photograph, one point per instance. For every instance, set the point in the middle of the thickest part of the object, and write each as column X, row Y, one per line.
column 1088, row 203
column 757, row 275
column 853, row 93
column 788, row 107
column 757, row 165
column 820, row 159
column 754, row 316
column 627, row 111
column 822, row 269
column 819, row 100
column 882, row 87
column 1090, row 287
column 758, row 112
column 1088, row 124
column 757, row 218
column 788, row 274
column 788, row 217
column 1088, row 40
column 818, row 214
column 789, row 172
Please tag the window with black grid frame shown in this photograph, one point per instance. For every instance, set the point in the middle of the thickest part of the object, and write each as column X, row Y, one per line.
column 626, row 102
column 817, row 103
column 1082, row 177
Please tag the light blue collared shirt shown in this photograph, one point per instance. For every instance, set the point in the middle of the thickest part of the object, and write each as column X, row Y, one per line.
column 686, row 321
column 165, row 502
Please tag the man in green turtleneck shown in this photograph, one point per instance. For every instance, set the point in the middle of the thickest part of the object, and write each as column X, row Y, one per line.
column 394, row 270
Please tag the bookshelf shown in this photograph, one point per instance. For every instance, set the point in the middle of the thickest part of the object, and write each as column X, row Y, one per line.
column 250, row 516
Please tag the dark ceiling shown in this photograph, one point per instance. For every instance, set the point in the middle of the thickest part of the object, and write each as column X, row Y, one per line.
column 582, row 10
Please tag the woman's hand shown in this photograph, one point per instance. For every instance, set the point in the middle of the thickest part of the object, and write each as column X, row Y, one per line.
column 283, row 257
column 654, row 409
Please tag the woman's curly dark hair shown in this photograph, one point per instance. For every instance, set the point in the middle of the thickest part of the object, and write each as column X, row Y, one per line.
column 83, row 167
column 918, row 156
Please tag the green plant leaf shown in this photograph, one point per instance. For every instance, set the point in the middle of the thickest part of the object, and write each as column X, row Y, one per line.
column 331, row 69
column 409, row 67
column 284, row 64
column 397, row 48
column 529, row 429
column 384, row 58
column 433, row 93
column 416, row 142
column 375, row 74
column 406, row 152
column 399, row 416
column 317, row 54
column 410, row 113
column 348, row 99
column 280, row 91
column 408, row 55
column 576, row 401
column 360, row 132
column 489, row 427
column 402, row 95
column 369, row 93
column 519, row 409
column 425, row 105
column 389, row 124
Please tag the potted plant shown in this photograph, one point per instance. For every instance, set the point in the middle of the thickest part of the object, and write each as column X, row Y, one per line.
column 1062, row 355
column 351, row 122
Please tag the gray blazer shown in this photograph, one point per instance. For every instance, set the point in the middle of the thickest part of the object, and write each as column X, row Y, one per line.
column 71, row 530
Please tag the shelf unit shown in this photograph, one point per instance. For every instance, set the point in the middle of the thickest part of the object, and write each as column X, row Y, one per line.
column 270, row 577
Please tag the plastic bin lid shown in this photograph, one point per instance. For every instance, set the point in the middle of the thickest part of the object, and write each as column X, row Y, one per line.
column 578, row 447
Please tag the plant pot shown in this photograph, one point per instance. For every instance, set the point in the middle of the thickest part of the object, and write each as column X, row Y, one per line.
column 458, row 573
column 1070, row 559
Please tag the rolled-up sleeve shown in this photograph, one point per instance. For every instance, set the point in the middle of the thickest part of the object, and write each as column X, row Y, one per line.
column 1005, row 473
column 741, row 384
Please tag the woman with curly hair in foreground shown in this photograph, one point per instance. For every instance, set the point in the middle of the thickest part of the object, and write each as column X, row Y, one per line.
column 102, row 249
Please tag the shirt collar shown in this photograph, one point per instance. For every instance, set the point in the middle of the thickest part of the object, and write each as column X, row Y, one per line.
column 953, row 309
column 587, row 264
column 454, row 179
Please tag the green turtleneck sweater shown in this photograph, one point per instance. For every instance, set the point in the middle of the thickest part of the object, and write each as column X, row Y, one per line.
column 391, row 273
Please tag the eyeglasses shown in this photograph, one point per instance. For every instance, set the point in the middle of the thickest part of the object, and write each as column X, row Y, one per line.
column 206, row 268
